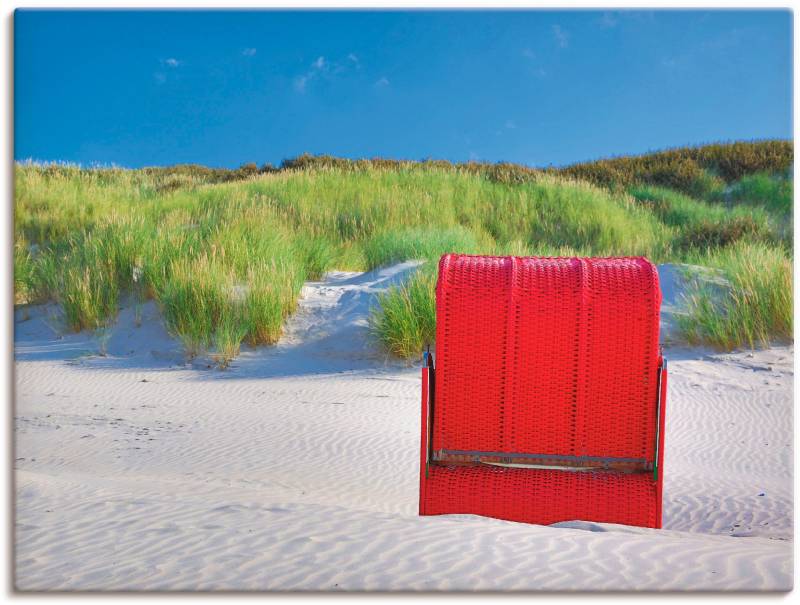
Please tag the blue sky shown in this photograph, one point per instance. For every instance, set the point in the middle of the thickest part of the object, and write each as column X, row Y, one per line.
column 538, row 87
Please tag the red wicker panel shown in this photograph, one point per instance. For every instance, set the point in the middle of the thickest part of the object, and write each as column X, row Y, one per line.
column 541, row 496
column 474, row 345
column 617, row 413
column 542, row 387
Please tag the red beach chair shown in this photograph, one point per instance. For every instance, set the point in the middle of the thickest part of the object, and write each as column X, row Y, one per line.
column 547, row 399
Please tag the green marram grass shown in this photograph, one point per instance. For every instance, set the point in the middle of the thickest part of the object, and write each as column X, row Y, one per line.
column 705, row 225
column 405, row 319
column 758, row 307
column 225, row 255
column 772, row 192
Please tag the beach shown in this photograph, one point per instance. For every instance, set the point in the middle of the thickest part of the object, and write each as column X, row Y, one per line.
column 297, row 468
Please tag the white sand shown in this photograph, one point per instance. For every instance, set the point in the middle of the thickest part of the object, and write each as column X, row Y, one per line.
column 297, row 469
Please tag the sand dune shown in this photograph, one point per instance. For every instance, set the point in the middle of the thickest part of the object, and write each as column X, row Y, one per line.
column 296, row 469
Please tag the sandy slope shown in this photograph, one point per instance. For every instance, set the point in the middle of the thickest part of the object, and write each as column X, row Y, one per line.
column 297, row 469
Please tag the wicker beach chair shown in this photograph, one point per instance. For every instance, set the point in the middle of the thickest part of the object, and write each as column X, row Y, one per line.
column 546, row 400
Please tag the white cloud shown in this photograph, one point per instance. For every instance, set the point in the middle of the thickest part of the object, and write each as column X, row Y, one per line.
column 317, row 67
column 561, row 36
column 249, row 52
column 172, row 62
column 330, row 70
column 384, row 81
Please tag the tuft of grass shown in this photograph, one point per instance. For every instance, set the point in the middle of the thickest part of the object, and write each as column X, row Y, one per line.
column 89, row 297
column 193, row 300
column 270, row 298
column 231, row 328
column 315, row 254
column 759, row 306
column 406, row 319
column 89, row 284
column 23, row 272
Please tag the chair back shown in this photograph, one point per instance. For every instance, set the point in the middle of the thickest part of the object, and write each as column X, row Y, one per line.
column 546, row 361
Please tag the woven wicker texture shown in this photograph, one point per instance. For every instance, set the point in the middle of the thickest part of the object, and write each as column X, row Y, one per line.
column 542, row 496
column 546, row 356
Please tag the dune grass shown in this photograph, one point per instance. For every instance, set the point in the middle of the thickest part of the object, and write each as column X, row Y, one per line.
column 226, row 258
column 773, row 192
column 405, row 321
column 705, row 225
column 758, row 308
column 699, row 171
